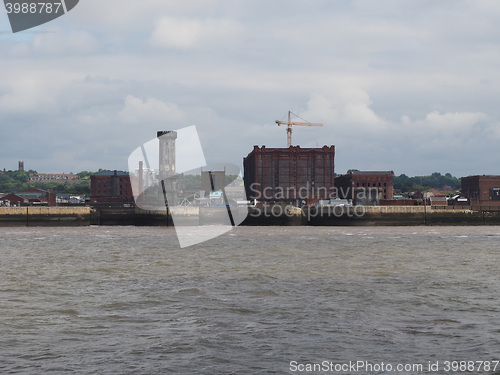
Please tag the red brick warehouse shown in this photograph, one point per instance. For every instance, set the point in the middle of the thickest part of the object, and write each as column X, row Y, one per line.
column 289, row 174
column 482, row 190
column 111, row 186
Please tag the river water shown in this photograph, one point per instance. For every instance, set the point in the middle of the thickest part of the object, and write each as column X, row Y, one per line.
column 258, row 300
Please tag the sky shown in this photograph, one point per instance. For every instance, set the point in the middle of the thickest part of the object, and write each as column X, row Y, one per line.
column 405, row 85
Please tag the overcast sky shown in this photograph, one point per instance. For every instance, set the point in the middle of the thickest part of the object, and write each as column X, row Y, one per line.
column 406, row 85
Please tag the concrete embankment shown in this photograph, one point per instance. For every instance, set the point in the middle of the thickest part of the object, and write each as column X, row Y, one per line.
column 373, row 216
column 84, row 216
column 425, row 215
column 275, row 215
column 263, row 215
column 45, row 216
column 185, row 216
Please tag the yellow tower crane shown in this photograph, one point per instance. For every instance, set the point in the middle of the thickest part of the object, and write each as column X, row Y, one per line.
column 289, row 126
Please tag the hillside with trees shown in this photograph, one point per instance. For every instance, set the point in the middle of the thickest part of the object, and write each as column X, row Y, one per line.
column 15, row 181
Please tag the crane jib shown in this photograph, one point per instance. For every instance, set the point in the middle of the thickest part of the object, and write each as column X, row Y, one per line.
column 289, row 126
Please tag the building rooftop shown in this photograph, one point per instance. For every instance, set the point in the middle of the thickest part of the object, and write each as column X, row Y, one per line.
column 373, row 173
column 111, row 173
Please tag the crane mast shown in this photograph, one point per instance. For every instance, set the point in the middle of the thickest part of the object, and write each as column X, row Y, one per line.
column 289, row 126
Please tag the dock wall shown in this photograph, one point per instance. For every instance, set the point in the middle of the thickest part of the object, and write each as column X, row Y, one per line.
column 263, row 215
column 402, row 215
column 45, row 216
column 374, row 216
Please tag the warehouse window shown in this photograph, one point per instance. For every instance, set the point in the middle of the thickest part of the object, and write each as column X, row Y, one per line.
column 495, row 194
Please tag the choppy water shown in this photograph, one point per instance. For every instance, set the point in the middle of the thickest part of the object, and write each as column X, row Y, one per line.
column 113, row 300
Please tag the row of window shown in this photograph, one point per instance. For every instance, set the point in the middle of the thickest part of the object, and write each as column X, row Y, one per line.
column 99, row 180
column 374, row 184
column 110, row 187
column 110, row 193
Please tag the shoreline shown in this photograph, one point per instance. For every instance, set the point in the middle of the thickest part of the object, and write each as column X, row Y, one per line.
column 257, row 216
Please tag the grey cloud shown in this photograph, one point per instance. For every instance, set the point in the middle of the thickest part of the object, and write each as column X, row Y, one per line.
column 95, row 84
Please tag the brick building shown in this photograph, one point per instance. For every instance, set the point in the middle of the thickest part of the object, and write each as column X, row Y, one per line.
column 54, row 177
column 12, row 200
column 482, row 190
column 31, row 197
column 292, row 174
column 366, row 187
column 111, row 187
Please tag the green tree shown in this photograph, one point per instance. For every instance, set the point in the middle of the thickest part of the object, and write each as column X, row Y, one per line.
column 404, row 184
column 84, row 175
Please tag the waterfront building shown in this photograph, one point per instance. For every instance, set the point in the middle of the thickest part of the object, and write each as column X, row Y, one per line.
column 436, row 197
column 65, row 199
column 366, row 187
column 31, row 197
column 482, row 190
column 293, row 174
column 110, row 187
column 11, row 200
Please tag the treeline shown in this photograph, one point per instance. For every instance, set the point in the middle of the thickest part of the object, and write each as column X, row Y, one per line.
column 15, row 181
column 12, row 181
column 404, row 184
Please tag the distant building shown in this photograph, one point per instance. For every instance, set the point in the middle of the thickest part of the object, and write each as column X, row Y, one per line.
column 292, row 174
column 366, row 187
column 11, row 200
column 31, row 197
column 110, row 187
column 21, row 166
column 213, row 181
column 436, row 197
column 149, row 177
column 65, row 199
column 482, row 190
column 167, row 172
column 38, row 196
column 55, row 177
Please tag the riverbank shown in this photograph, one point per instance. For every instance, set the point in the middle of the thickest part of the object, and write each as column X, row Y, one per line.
column 257, row 216
column 374, row 216
column 46, row 216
